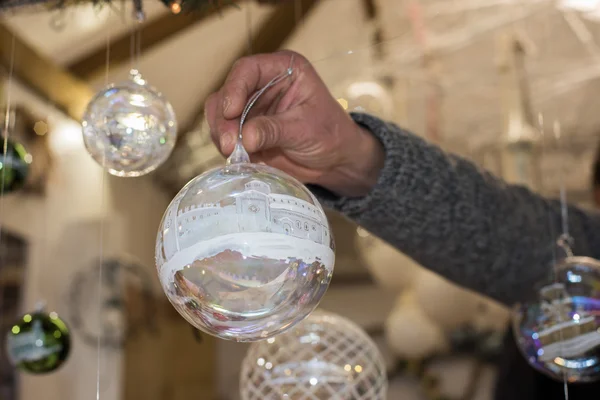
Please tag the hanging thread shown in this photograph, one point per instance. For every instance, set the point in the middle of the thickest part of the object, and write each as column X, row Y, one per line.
column 101, row 242
column 5, row 135
column 564, row 243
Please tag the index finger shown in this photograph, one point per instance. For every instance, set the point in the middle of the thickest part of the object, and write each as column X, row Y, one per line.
column 250, row 74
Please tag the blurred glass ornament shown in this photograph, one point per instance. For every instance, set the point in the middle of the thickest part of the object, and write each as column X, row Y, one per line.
column 324, row 357
column 559, row 331
column 14, row 166
column 129, row 128
column 367, row 96
column 38, row 343
column 390, row 268
column 244, row 251
column 410, row 333
column 446, row 303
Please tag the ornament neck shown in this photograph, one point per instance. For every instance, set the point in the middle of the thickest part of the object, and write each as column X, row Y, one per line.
column 240, row 155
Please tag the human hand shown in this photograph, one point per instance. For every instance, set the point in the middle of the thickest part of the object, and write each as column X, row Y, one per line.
column 296, row 126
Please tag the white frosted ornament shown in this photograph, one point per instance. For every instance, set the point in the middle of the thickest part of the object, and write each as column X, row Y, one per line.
column 244, row 251
column 129, row 128
column 369, row 96
column 390, row 268
column 324, row 357
column 444, row 302
column 410, row 333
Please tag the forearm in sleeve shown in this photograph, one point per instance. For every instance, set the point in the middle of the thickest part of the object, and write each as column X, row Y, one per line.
column 459, row 221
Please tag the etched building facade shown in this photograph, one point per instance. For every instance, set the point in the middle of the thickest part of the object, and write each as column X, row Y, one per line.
column 255, row 209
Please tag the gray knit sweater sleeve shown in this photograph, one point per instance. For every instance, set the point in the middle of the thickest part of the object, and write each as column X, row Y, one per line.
column 459, row 221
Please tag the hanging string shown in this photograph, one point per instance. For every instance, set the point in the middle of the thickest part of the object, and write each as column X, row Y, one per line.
column 249, row 28
column 5, row 135
column 101, row 241
column 565, row 241
column 136, row 39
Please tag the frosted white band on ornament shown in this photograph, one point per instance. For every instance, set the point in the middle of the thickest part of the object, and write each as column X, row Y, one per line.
column 275, row 246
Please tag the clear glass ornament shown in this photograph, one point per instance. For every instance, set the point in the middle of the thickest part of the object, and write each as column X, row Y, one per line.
column 38, row 343
column 244, row 251
column 558, row 332
column 324, row 357
column 129, row 128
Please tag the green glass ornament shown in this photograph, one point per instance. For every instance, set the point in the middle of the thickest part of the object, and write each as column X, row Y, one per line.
column 14, row 166
column 38, row 343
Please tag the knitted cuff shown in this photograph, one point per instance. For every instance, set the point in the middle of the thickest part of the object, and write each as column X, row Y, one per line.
column 391, row 138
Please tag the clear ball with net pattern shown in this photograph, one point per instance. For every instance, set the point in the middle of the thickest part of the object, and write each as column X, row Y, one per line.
column 245, row 251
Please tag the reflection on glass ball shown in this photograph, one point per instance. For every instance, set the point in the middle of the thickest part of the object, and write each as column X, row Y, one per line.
column 323, row 357
column 559, row 331
column 14, row 166
column 244, row 252
column 129, row 128
column 38, row 343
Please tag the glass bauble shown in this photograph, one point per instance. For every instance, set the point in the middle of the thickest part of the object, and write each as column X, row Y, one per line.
column 14, row 166
column 244, row 252
column 129, row 128
column 558, row 331
column 324, row 357
column 38, row 343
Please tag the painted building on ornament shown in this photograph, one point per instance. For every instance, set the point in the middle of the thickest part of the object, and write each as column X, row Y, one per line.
column 255, row 209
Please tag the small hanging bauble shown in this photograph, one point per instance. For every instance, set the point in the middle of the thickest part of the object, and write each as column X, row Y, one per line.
column 244, row 251
column 38, row 343
column 558, row 332
column 129, row 128
column 14, row 166
column 323, row 357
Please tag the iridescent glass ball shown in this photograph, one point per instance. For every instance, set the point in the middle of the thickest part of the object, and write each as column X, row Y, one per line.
column 244, row 252
column 558, row 331
column 38, row 343
column 324, row 357
column 14, row 166
column 129, row 128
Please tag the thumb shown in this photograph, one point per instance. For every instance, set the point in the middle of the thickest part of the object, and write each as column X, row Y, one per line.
column 265, row 132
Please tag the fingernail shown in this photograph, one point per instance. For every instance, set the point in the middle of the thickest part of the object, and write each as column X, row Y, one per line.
column 226, row 104
column 227, row 140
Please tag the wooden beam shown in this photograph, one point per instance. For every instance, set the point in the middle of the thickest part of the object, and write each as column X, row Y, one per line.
column 51, row 82
column 153, row 33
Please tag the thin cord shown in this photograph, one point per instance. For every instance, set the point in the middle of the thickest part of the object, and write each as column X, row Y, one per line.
column 564, row 242
column 249, row 28
column 101, row 258
column 4, row 156
column 298, row 12
column 6, row 125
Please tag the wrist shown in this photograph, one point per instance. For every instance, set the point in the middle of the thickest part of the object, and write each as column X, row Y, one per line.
column 361, row 166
